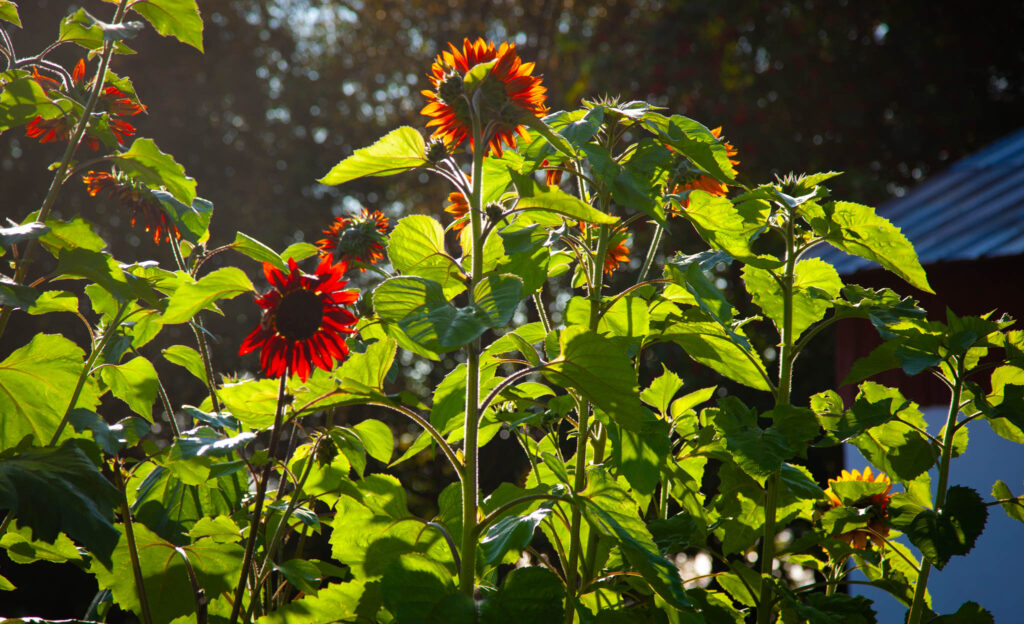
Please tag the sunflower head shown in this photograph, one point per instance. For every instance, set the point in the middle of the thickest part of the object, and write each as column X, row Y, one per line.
column 868, row 493
column 505, row 93
column 305, row 319
column 142, row 206
column 357, row 238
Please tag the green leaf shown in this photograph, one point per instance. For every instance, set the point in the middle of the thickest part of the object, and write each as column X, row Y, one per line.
column 662, row 390
column 642, row 453
column 110, row 438
column 256, row 250
column 416, row 247
column 513, row 533
column 164, row 575
column 731, row 228
column 22, row 100
column 135, row 382
column 610, row 510
column 105, row 271
column 54, row 301
column 190, row 298
column 816, row 283
column 895, row 446
column 71, row 235
column 858, row 230
column 1015, row 508
column 188, row 358
column 539, row 198
column 16, row 296
column 82, row 29
column 598, row 367
column 193, row 221
column 531, row 594
column 37, row 382
column 377, row 438
column 758, row 452
column 9, row 13
column 951, row 531
column 336, row 602
column 695, row 141
column 711, row 345
column 145, row 163
column 305, row 576
column 55, row 490
column 628, row 316
column 174, row 18
column 21, row 548
column 299, row 251
column 397, row 151
column 968, row 613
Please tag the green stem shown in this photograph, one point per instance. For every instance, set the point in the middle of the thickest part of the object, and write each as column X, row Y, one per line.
column 782, row 398
column 65, row 161
column 918, row 605
column 101, row 345
column 470, row 482
column 261, row 492
column 133, row 550
column 649, row 259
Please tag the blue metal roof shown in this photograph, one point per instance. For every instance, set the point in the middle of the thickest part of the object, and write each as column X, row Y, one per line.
column 974, row 209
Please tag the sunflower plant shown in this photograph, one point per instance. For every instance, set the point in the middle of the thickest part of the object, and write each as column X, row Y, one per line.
column 536, row 281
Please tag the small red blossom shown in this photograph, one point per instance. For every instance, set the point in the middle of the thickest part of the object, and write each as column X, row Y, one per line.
column 358, row 238
column 305, row 320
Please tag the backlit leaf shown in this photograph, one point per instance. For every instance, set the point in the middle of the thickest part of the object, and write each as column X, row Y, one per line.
column 174, row 18
column 146, row 163
column 416, row 247
column 190, row 298
column 399, row 150
column 135, row 382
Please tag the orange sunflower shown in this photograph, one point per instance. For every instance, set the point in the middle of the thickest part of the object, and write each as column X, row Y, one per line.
column 876, row 506
column 507, row 93
column 706, row 183
column 140, row 202
column 618, row 252
column 458, row 208
column 358, row 238
column 305, row 320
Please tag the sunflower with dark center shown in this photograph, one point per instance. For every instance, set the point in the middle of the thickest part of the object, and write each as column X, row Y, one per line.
column 305, row 320
column 508, row 92
column 141, row 204
column 358, row 238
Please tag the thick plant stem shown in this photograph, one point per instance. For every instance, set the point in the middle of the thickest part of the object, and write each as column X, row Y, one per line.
column 786, row 357
column 583, row 435
column 261, row 492
column 470, row 482
column 133, row 550
column 65, row 161
column 917, row 607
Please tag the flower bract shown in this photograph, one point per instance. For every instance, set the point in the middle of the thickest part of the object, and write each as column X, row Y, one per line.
column 357, row 238
column 305, row 320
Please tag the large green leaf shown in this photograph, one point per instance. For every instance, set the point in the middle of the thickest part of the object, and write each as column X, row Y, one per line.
column 146, row 163
column 896, row 446
column 731, row 227
column 421, row 309
column 413, row 586
column 758, row 452
column 512, row 533
column 711, row 345
column 969, row 613
column 598, row 368
column 81, row 28
column 55, row 490
column 416, row 247
column 36, row 385
column 858, row 230
column 538, row 198
column 102, row 269
column 816, row 283
column 256, row 250
column 192, row 221
column 71, row 234
column 188, row 358
column 953, row 530
column 642, row 453
column 190, row 298
column 175, row 18
column 168, row 590
column 336, row 602
column 696, row 142
column 397, row 151
column 610, row 510
column 135, row 382
column 531, row 594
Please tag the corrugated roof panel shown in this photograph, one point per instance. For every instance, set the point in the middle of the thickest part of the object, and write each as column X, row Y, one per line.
column 972, row 210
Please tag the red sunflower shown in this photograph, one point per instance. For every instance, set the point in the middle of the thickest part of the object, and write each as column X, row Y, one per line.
column 304, row 321
column 617, row 254
column 358, row 238
column 508, row 92
column 140, row 202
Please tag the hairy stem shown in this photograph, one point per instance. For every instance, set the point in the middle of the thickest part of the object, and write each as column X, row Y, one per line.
column 133, row 550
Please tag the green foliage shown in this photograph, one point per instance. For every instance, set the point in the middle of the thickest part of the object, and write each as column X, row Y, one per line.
column 400, row 150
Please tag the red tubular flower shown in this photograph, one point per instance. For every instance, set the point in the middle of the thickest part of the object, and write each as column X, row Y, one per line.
column 508, row 92
column 141, row 204
column 876, row 507
column 359, row 238
column 304, row 320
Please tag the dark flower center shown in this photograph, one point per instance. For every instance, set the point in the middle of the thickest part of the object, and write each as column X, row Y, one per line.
column 299, row 314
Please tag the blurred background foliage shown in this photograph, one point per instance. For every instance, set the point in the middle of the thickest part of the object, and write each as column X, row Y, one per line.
column 887, row 92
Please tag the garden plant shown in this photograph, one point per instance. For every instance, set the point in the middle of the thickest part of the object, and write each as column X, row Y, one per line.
column 214, row 519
